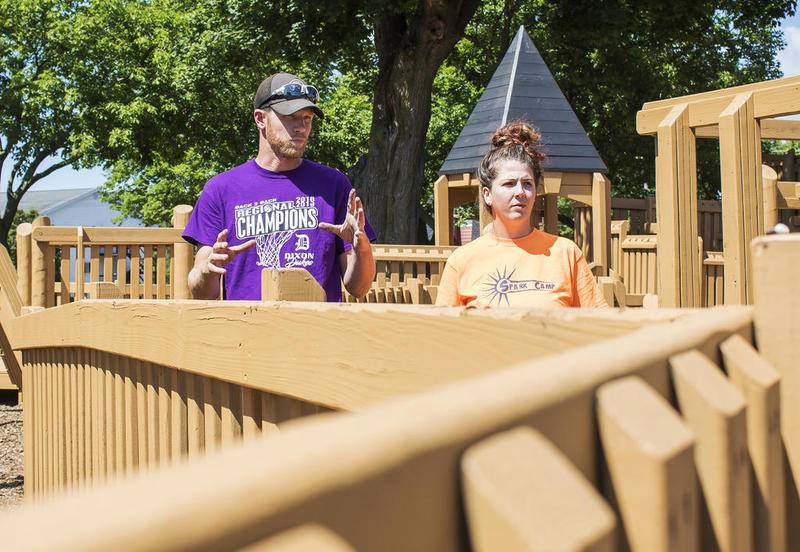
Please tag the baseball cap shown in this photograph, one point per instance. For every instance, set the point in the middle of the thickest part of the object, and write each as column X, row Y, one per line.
column 284, row 106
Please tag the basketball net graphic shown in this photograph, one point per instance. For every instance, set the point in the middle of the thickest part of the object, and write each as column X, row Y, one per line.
column 269, row 247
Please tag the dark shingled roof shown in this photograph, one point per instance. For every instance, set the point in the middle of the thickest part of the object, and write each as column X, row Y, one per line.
column 522, row 87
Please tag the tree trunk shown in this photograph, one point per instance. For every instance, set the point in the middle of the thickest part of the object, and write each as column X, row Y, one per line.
column 410, row 47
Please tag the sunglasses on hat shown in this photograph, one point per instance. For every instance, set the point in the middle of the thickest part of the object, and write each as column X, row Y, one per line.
column 292, row 91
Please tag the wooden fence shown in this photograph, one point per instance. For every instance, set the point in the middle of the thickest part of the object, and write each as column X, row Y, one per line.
column 671, row 437
column 112, row 387
column 146, row 263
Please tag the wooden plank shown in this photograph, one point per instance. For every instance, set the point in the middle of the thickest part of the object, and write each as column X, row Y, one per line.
column 80, row 264
column 108, row 263
column 290, row 284
column 269, row 414
column 164, row 414
column 119, row 414
column 139, row 373
column 122, row 266
column 231, row 412
column 212, row 412
column 522, row 493
column 642, row 435
column 441, row 212
column 180, row 443
column 131, row 417
column 715, row 410
column 776, row 263
column 64, row 275
column 730, row 91
column 94, row 264
column 759, row 383
column 601, row 221
column 301, row 539
column 251, row 413
column 148, row 271
column 195, row 426
column 84, row 434
column 161, row 272
column 134, row 278
column 101, row 236
column 150, row 376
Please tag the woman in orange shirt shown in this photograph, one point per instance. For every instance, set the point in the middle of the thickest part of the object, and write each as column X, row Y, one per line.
column 515, row 264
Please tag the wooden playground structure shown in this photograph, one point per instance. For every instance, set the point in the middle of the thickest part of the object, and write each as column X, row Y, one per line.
column 155, row 422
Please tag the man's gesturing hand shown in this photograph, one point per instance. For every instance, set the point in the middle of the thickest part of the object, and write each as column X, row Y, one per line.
column 221, row 254
column 352, row 229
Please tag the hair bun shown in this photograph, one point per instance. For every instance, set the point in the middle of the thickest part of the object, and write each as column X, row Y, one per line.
column 519, row 133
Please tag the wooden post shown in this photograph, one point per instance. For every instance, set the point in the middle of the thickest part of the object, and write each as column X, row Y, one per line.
column 676, row 199
column 441, row 212
column 39, row 266
column 770, row 186
column 776, row 263
column 182, row 258
column 742, row 196
column 551, row 214
column 789, row 166
column 601, row 221
column 24, row 262
column 290, row 284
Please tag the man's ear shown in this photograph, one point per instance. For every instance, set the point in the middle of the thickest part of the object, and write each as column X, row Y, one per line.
column 260, row 118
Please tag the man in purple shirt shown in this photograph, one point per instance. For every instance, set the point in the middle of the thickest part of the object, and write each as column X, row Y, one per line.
column 280, row 210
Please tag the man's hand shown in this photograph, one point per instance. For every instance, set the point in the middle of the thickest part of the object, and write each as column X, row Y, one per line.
column 221, row 253
column 352, row 229
column 209, row 263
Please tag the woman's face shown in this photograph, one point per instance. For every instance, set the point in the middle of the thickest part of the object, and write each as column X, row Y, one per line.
column 513, row 192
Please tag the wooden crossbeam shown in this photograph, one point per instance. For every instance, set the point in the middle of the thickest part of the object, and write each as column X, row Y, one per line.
column 777, row 101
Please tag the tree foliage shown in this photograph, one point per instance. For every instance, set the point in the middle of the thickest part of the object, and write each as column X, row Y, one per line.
column 159, row 92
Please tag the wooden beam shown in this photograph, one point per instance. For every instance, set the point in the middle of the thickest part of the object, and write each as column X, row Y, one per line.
column 552, row 182
column 742, row 194
column 676, row 197
column 601, row 222
column 220, row 340
column 759, row 383
column 443, row 232
column 769, row 180
column 731, row 91
column 551, row 214
column 776, row 264
column 771, row 129
column 768, row 103
column 788, row 195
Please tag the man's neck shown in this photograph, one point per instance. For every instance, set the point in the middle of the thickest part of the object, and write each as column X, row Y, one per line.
column 267, row 159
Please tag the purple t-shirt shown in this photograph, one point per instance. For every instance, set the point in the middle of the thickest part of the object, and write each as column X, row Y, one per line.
column 281, row 210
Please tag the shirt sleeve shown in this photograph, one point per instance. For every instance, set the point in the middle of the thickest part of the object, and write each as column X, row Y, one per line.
column 207, row 219
column 447, row 292
column 340, row 212
column 586, row 291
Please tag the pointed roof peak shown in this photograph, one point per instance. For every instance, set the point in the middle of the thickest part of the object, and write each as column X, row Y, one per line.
column 522, row 87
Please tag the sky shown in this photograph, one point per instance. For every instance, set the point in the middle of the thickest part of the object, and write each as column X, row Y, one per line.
column 67, row 177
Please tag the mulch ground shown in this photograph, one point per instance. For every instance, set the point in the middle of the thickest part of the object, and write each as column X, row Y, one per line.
column 10, row 452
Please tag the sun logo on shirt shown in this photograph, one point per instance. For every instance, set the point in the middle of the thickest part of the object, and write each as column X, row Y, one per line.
column 500, row 285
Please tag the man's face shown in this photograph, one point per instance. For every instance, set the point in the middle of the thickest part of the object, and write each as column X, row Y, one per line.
column 287, row 135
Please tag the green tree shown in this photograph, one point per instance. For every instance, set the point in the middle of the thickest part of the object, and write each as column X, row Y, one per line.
column 38, row 116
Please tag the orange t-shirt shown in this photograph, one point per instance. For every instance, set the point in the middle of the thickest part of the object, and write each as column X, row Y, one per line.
column 539, row 270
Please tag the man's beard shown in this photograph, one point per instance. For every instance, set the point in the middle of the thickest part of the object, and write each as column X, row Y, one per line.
column 284, row 147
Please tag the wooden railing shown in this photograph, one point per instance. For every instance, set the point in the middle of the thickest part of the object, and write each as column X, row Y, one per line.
column 405, row 274
column 147, row 263
column 672, row 437
column 113, row 387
